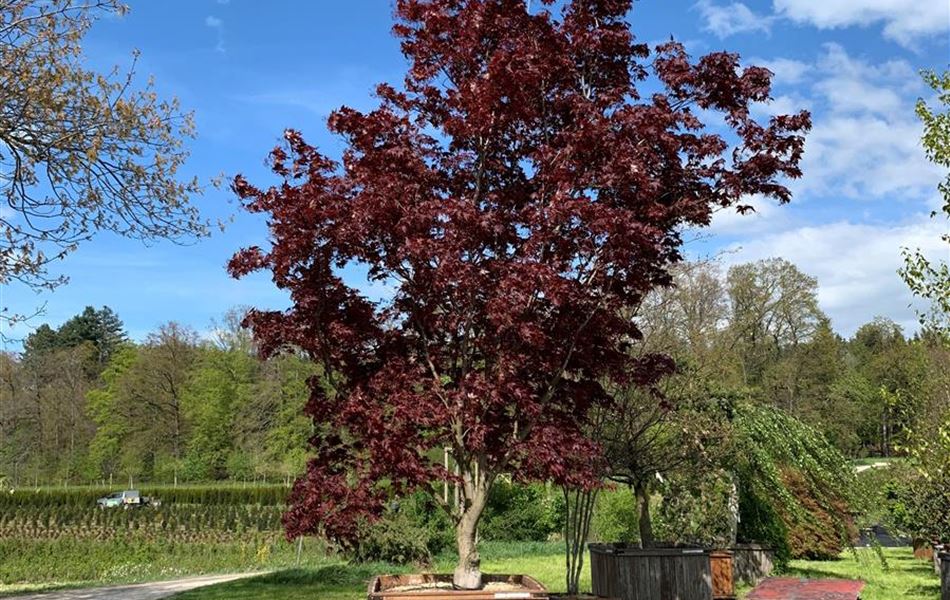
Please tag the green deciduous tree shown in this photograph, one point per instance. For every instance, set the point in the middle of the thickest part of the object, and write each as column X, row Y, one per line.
column 110, row 416
column 774, row 306
column 926, row 278
column 80, row 151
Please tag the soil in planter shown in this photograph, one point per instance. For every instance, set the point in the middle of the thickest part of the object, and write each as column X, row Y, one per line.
column 439, row 587
column 491, row 586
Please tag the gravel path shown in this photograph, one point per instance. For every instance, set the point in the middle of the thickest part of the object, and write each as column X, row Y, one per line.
column 139, row 591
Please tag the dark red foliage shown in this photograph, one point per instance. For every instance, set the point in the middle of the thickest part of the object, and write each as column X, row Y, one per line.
column 517, row 193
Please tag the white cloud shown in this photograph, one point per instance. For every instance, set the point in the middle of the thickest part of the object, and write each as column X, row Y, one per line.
column 854, row 85
column 788, row 104
column 867, row 156
column 218, row 25
column 787, row 71
column 904, row 21
column 729, row 19
column 768, row 216
column 866, row 141
column 855, row 95
column 855, row 264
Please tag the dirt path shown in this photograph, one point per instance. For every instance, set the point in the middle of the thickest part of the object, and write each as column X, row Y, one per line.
column 876, row 465
column 139, row 591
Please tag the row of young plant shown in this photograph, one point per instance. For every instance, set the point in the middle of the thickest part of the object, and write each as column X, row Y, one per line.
column 216, row 495
column 133, row 557
column 162, row 518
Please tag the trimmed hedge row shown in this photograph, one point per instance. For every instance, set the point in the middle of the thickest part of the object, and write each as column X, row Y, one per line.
column 43, row 498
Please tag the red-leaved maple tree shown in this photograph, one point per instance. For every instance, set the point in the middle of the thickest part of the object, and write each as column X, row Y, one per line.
column 517, row 193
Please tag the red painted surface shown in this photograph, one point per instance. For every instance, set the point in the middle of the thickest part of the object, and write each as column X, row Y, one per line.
column 790, row 588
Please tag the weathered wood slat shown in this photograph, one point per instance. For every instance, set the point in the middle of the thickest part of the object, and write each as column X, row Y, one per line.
column 632, row 573
column 945, row 576
column 751, row 563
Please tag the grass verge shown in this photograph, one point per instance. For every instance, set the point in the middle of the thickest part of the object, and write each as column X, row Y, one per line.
column 903, row 578
column 328, row 578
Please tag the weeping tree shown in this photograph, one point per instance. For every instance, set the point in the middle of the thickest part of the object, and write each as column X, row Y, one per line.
column 513, row 195
column 794, row 486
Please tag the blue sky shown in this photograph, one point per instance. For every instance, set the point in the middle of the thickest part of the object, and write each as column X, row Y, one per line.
column 249, row 69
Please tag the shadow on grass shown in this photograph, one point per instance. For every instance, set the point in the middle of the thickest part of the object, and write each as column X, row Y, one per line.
column 812, row 573
column 932, row 590
column 331, row 582
column 342, row 574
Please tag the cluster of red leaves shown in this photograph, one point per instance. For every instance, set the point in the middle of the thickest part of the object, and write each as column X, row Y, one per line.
column 517, row 194
column 825, row 525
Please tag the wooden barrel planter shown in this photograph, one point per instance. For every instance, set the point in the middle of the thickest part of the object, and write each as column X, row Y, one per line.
column 633, row 573
column 923, row 549
column 945, row 576
column 751, row 563
column 427, row 586
column 720, row 567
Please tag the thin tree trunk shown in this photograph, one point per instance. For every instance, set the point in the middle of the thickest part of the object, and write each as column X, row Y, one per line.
column 580, row 508
column 733, row 509
column 642, row 491
column 468, row 574
column 474, row 490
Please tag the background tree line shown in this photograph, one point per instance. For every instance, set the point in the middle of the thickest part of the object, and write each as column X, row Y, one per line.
column 82, row 403
column 756, row 330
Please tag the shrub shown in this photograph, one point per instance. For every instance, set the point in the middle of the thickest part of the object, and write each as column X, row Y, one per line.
column 804, row 480
column 760, row 523
column 695, row 510
column 522, row 513
column 882, row 497
column 227, row 495
column 919, row 507
column 411, row 532
column 615, row 516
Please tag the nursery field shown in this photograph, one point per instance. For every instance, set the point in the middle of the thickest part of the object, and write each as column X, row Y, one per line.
column 55, row 536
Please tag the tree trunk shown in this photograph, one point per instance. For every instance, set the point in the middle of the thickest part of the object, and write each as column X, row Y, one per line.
column 733, row 509
column 642, row 491
column 579, row 505
column 468, row 574
column 474, row 492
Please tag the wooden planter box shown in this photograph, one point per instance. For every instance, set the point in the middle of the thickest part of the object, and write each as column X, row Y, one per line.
column 633, row 573
column 945, row 576
column 438, row 587
column 581, row 597
column 751, row 563
column 720, row 566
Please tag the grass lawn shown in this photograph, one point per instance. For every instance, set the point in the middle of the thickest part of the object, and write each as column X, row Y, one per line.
column 905, row 578
column 340, row 581
column 331, row 579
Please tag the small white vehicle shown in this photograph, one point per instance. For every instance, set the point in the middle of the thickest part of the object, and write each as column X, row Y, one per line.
column 126, row 499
